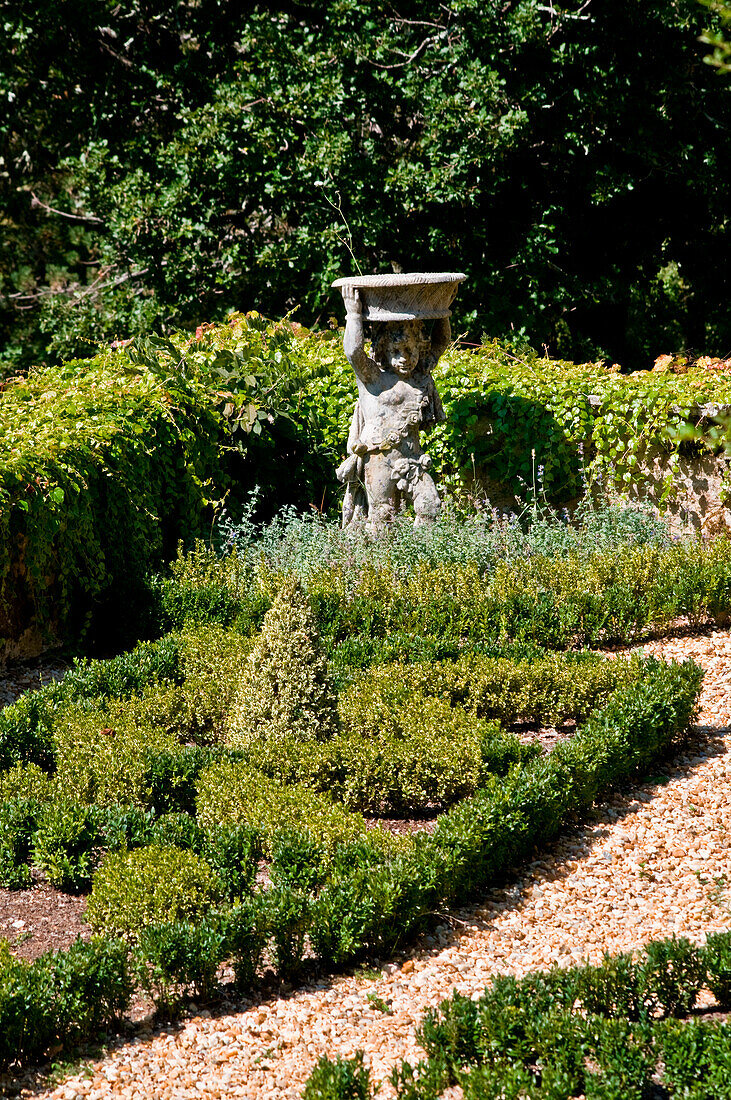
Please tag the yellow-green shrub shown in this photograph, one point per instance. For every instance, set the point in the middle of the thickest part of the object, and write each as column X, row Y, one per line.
column 549, row 688
column 213, row 661
column 425, row 754
column 285, row 691
column 235, row 792
column 102, row 754
column 26, row 781
column 150, row 885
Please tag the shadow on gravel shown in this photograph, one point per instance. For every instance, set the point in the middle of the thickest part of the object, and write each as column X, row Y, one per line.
column 552, row 862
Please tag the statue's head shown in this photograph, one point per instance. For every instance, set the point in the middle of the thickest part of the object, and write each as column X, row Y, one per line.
column 399, row 345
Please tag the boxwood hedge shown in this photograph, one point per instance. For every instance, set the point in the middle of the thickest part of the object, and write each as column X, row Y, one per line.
column 345, row 894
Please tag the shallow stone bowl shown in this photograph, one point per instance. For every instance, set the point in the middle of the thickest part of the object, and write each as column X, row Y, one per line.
column 411, row 296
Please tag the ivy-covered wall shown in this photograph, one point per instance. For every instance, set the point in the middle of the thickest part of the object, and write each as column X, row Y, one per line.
column 107, row 463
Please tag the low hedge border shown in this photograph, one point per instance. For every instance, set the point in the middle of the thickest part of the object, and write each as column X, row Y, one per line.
column 554, row 601
column 204, row 659
column 371, row 903
column 606, row 1032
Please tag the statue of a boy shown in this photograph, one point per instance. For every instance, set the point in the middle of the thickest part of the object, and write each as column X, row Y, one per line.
column 386, row 468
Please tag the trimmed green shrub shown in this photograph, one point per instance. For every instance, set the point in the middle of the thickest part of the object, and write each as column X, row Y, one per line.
column 69, row 994
column 287, row 914
column 150, row 885
column 63, row 845
column 684, row 1049
column 612, row 989
column 213, row 663
column 194, row 709
column 176, row 958
column 123, row 827
column 26, row 781
column 624, row 1059
column 557, row 600
column 285, row 691
column 234, row 793
column 127, row 674
column 298, row 860
column 27, row 1008
column 244, row 926
column 526, row 1021
column 92, row 984
column 233, row 851
column 26, row 729
column 203, row 587
column 671, row 973
column 341, row 1079
column 546, row 688
column 479, row 838
column 541, row 1034
column 18, row 821
column 415, row 736
column 442, row 754
column 500, row 1081
column 453, row 1032
column 102, row 754
column 177, row 830
column 425, row 1081
column 421, row 751
column 719, row 1063
column 351, row 891
column 169, row 776
column 717, row 959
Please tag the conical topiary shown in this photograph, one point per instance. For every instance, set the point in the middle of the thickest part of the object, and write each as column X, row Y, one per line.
column 285, row 691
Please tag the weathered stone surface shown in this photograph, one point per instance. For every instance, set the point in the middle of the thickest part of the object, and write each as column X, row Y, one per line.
column 386, row 468
column 411, row 296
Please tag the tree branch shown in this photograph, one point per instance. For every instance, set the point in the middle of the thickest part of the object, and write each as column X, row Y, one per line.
column 47, row 292
column 402, row 64
column 90, row 218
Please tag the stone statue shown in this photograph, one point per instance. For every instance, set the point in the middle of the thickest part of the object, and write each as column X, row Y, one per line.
column 386, row 468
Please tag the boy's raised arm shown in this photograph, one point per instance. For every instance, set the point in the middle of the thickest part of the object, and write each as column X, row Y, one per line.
column 354, row 337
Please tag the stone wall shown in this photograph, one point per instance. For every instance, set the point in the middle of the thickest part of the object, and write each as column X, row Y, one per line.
column 688, row 485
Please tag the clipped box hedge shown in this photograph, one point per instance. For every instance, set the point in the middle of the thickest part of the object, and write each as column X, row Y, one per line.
column 362, row 897
column 616, row 1031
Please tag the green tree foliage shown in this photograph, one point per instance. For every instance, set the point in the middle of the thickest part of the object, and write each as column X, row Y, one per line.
column 721, row 56
column 162, row 164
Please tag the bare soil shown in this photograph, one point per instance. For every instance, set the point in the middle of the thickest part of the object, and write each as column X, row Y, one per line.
column 41, row 919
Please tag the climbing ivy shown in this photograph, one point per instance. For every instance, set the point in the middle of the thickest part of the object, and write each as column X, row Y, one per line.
column 544, row 426
column 107, row 463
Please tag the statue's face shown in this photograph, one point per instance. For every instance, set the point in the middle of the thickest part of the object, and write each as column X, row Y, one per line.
column 399, row 345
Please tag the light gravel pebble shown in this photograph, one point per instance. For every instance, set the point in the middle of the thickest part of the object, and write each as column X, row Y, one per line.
column 650, row 863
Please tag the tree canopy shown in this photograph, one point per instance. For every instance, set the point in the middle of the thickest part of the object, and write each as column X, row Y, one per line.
column 165, row 162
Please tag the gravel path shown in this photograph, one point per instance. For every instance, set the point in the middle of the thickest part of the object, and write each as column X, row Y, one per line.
column 652, row 862
column 21, row 676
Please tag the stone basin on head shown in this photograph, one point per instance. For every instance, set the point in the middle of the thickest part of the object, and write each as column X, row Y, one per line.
column 410, row 296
